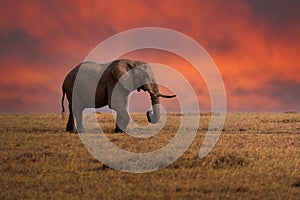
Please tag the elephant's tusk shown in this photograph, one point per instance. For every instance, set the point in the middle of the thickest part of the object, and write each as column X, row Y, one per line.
column 161, row 95
column 166, row 96
column 152, row 93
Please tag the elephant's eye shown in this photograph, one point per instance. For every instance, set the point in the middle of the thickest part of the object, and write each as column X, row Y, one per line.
column 145, row 76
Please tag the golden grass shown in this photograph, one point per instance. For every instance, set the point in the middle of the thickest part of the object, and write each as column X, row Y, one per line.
column 256, row 157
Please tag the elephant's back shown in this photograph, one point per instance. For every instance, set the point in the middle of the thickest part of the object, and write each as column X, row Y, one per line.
column 86, row 70
column 92, row 67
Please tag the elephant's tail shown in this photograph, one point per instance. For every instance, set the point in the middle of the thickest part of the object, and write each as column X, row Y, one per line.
column 62, row 100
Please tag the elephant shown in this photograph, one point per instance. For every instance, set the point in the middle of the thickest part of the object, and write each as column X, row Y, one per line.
column 113, row 82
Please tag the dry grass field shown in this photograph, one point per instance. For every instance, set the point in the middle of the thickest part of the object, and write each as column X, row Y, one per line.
column 257, row 157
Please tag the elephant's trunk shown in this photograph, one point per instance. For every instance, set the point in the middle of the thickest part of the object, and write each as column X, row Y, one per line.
column 154, row 115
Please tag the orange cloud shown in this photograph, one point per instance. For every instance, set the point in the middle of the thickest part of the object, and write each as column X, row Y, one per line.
column 254, row 44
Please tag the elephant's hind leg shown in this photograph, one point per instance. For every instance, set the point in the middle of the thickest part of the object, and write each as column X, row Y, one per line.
column 118, row 129
column 70, row 125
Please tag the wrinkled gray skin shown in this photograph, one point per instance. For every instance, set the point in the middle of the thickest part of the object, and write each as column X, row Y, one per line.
column 119, row 79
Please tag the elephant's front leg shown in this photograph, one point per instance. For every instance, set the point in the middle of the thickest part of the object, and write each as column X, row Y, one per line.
column 122, row 121
column 123, row 118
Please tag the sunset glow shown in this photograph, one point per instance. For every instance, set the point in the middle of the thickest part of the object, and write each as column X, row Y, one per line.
column 255, row 45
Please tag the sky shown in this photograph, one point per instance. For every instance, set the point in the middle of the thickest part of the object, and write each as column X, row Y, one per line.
column 255, row 45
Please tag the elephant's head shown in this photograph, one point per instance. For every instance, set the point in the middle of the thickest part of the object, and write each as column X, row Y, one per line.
column 137, row 75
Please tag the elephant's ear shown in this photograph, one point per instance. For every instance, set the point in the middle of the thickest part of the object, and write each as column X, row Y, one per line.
column 122, row 73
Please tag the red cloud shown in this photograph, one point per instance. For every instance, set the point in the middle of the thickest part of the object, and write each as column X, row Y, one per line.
column 42, row 41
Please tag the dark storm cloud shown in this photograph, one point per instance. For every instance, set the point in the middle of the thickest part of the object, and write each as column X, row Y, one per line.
column 224, row 44
column 288, row 92
column 18, row 43
column 30, row 90
column 285, row 93
column 23, row 97
column 277, row 13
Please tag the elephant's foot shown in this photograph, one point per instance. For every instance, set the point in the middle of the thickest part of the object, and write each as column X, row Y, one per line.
column 118, row 130
column 80, row 130
column 70, row 129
